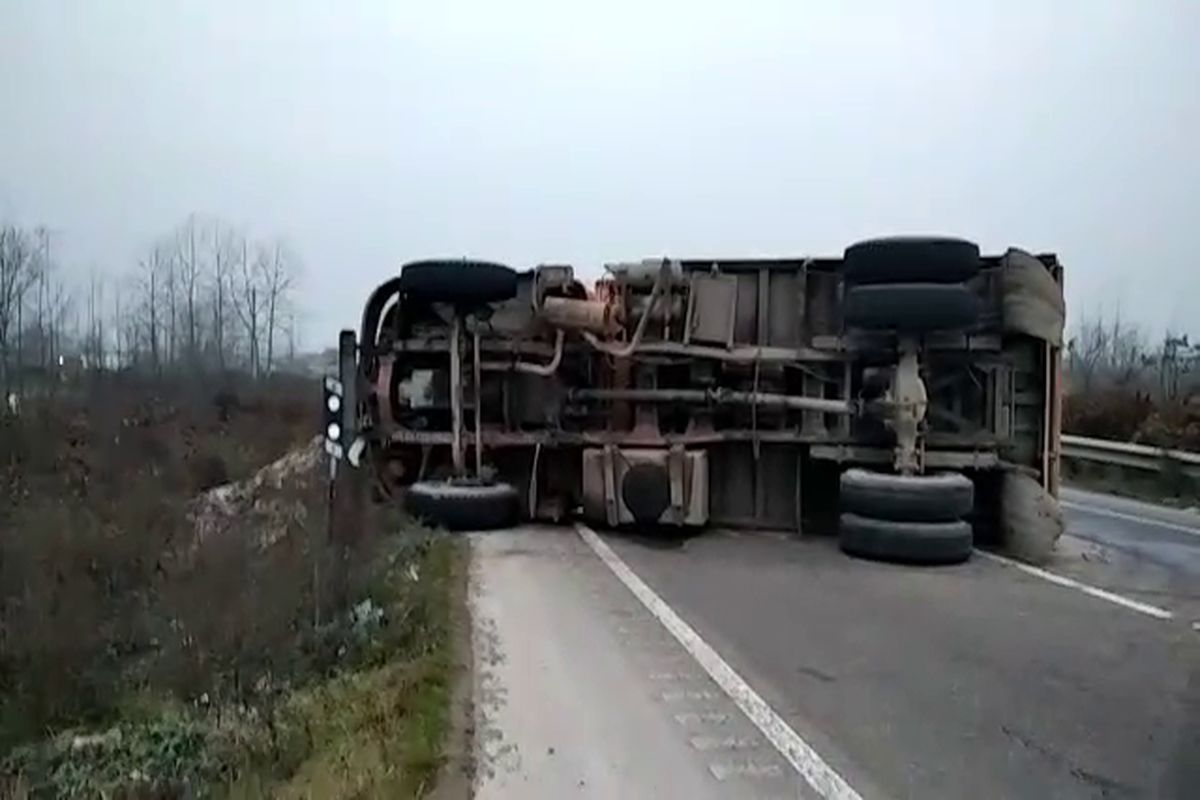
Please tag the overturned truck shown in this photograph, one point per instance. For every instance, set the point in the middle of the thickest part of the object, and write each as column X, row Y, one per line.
column 906, row 394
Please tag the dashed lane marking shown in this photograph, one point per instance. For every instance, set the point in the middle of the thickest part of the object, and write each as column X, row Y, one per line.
column 1093, row 591
column 702, row 718
column 676, row 695
column 704, row 743
column 745, row 769
column 824, row 780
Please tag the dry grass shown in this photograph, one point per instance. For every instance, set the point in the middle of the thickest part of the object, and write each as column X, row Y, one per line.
column 254, row 657
column 1128, row 415
column 98, row 478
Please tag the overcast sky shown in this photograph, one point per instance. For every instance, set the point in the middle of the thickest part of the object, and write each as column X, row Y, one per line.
column 371, row 133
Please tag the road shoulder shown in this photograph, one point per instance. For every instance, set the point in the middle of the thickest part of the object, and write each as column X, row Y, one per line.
column 580, row 691
column 456, row 775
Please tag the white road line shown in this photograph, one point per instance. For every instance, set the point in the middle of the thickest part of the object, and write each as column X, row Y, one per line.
column 675, row 695
column 746, row 769
column 1104, row 512
column 704, row 743
column 804, row 759
column 1071, row 583
column 701, row 718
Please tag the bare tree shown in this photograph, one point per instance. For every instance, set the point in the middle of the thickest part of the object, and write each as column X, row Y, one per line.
column 168, row 285
column 59, row 309
column 291, row 334
column 117, row 323
column 18, row 274
column 148, row 285
column 224, row 248
column 1103, row 352
column 1129, row 358
column 1086, row 352
column 93, row 342
column 190, row 271
column 204, row 295
column 247, row 301
column 277, row 270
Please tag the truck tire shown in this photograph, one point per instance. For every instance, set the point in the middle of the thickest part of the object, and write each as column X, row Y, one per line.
column 943, row 497
column 462, row 283
column 911, row 307
column 463, row 506
column 905, row 542
column 911, row 259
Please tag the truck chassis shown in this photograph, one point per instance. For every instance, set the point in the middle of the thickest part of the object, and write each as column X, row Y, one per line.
column 748, row 393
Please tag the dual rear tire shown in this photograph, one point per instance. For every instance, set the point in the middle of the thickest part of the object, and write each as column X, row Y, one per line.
column 911, row 285
column 908, row 519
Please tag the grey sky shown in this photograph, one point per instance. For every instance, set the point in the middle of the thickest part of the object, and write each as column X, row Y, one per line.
column 370, row 133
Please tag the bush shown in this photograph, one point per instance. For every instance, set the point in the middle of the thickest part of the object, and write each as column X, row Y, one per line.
column 1175, row 425
column 377, row 722
column 91, row 528
column 160, row 758
column 1128, row 415
column 197, row 637
column 1113, row 413
column 76, row 584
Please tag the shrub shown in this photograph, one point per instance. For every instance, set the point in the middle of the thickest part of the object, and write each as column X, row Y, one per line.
column 92, row 520
column 1112, row 413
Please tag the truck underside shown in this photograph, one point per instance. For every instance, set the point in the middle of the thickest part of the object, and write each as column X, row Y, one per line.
column 716, row 391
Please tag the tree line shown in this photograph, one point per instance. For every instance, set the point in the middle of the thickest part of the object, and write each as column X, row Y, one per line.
column 1111, row 353
column 206, row 297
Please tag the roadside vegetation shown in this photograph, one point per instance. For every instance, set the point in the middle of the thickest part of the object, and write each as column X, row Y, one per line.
column 175, row 620
column 1118, row 387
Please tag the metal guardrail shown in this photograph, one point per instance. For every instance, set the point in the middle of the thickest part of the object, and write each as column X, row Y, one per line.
column 1133, row 456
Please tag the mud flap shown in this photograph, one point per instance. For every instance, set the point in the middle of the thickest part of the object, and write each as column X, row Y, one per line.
column 1031, row 519
column 1033, row 300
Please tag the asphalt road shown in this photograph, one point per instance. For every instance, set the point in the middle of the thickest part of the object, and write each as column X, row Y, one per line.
column 980, row 680
column 1161, row 544
column 580, row 692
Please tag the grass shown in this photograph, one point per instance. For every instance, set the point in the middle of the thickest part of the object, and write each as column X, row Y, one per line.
column 376, row 732
column 373, row 727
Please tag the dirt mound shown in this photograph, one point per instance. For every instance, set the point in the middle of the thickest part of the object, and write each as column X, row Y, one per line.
column 270, row 503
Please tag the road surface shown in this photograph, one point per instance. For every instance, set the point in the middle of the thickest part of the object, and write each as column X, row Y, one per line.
column 1149, row 550
column 762, row 665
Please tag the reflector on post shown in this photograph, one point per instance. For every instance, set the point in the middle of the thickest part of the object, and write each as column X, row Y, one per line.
column 332, row 408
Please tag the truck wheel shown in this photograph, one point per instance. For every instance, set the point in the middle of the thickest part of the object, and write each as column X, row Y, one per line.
column 911, row 307
column 911, row 259
column 905, row 542
column 463, row 505
column 943, row 497
column 463, row 283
